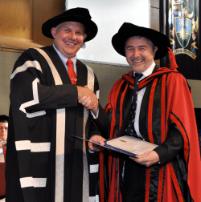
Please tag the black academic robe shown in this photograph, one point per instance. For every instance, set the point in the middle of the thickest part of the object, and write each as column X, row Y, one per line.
column 44, row 162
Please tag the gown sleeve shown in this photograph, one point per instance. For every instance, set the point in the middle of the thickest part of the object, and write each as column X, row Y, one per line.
column 30, row 92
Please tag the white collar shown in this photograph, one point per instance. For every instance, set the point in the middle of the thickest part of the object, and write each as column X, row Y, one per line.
column 63, row 58
column 148, row 71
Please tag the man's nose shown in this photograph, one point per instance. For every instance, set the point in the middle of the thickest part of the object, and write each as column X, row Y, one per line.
column 73, row 35
column 136, row 53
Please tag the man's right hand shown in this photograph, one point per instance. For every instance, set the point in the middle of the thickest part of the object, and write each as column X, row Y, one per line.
column 97, row 139
column 87, row 98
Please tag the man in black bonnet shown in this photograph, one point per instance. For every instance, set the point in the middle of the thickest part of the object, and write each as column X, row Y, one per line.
column 154, row 104
column 44, row 162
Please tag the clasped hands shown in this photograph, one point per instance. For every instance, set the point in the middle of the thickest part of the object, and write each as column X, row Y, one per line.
column 87, row 98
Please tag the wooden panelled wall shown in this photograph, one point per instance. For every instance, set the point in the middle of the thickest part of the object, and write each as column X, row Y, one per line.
column 20, row 28
column 21, row 21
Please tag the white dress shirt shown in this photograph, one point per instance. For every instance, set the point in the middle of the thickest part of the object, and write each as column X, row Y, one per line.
column 140, row 95
column 64, row 59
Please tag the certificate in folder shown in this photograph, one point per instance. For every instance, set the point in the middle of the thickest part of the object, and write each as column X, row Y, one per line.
column 127, row 145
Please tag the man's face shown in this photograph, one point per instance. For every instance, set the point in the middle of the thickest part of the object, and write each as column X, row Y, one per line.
column 140, row 53
column 3, row 131
column 68, row 37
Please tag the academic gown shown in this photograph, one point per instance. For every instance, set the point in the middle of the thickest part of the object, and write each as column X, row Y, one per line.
column 44, row 162
column 167, row 119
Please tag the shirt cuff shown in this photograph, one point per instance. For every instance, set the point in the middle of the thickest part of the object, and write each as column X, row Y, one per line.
column 95, row 115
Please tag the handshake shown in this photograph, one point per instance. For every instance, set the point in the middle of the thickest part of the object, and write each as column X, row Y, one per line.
column 87, row 98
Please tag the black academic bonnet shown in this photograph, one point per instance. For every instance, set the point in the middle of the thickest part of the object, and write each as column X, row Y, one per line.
column 4, row 118
column 75, row 14
column 128, row 30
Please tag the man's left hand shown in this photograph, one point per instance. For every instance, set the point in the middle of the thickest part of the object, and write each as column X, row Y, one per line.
column 147, row 159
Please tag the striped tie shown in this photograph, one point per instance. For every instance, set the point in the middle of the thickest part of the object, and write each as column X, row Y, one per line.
column 130, row 128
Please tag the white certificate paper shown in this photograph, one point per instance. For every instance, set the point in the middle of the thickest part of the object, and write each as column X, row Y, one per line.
column 130, row 145
column 127, row 145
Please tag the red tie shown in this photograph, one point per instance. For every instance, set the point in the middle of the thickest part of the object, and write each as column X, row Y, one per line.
column 71, row 73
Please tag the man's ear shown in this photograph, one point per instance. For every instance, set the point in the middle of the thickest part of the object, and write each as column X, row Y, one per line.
column 155, row 49
column 85, row 36
column 53, row 31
